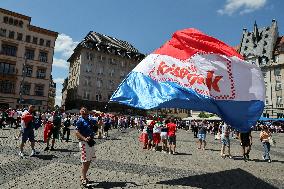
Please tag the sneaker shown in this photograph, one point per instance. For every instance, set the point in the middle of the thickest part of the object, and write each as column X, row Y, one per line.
column 170, row 152
column 46, row 149
column 21, row 155
column 230, row 157
column 247, row 156
column 263, row 157
column 52, row 149
column 16, row 138
column 269, row 161
column 33, row 153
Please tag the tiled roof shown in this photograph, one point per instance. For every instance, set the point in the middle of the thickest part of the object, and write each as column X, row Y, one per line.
column 105, row 43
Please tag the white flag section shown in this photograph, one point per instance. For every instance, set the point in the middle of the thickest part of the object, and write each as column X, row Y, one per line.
column 198, row 72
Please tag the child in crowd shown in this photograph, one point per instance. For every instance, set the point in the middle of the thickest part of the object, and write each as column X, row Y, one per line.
column 144, row 137
column 164, row 137
column 156, row 135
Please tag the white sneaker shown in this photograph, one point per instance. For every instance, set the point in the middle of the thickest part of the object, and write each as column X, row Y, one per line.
column 21, row 154
column 33, row 153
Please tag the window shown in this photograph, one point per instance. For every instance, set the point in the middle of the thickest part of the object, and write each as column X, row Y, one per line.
column 98, row 97
column 7, row 86
column 123, row 64
column 87, row 81
column 247, row 41
column 5, row 19
column 99, row 83
column 16, row 22
column 266, row 36
column 111, row 84
column 34, row 40
column 11, row 34
column 7, row 69
column 277, row 58
column 11, row 21
column 263, row 61
column 111, row 73
column 88, row 68
column 39, row 90
column 279, row 100
column 28, row 38
column 112, row 61
column 26, row 89
column 101, row 71
column 41, row 41
column 3, row 32
column 246, row 48
column 21, row 23
column 29, row 71
column 41, row 73
column 9, row 50
column 277, row 71
column 278, row 85
column 264, row 74
column 48, row 43
column 42, row 56
column 86, row 95
column 264, row 43
column 263, row 51
column 20, row 37
column 89, row 56
column 122, row 74
column 30, row 54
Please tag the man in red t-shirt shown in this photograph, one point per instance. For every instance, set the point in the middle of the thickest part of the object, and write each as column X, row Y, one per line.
column 172, row 128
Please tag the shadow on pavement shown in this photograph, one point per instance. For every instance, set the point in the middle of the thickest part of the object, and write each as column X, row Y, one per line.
column 65, row 150
column 235, row 178
column 3, row 137
column 108, row 185
column 213, row 150
column 182, row 154
column 46, row 157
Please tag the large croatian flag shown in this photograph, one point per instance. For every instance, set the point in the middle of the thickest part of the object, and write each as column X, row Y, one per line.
column 198, row 72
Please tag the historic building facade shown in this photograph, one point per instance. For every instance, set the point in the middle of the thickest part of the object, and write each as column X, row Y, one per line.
column 51, row 94
column 265, row 48
column 25, row 61
column 97, row 66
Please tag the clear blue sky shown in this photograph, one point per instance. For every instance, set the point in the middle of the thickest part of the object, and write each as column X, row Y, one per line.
column 146, row 24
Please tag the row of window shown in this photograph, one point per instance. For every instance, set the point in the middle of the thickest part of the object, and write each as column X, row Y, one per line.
column 98, row 97
column 7, row 86
column 11, row 50
column 90, row 56
column 40, row 74
column 13, row 21
column 7, row 69
column 28, row 39
column 38, row 89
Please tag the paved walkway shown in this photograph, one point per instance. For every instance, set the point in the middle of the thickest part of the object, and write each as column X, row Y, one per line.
column 122, row 163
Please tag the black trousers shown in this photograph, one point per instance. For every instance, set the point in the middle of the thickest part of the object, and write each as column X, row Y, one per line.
column 66, row 130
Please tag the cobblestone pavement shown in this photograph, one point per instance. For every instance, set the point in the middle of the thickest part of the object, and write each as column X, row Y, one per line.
column 122, row 163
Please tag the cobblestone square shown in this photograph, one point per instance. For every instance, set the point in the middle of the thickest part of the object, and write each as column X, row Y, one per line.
column 122, row 163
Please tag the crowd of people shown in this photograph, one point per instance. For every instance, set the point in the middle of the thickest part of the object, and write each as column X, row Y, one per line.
column 157, row 134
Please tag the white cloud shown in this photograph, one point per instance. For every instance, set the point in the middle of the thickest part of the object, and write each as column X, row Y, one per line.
column 58, row 97
column 58, row 80
column 61, row 63
column 241, row 6
column 65, row 45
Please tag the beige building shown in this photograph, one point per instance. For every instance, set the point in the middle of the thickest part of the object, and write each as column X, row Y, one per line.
column 265, row 48
column 25, row 60
column 97, row 66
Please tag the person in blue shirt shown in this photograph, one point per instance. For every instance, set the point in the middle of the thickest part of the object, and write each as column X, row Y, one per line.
column 85, row 134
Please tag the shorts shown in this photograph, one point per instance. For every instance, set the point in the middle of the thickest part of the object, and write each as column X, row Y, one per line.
column 164, row 136
column 245, row 143
column 28, row 134
column 156, row 138
column 225, row 141
column 172, row 140
column 55, row 132
column 150, row 136
column 202, row 137
column 87, row 152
